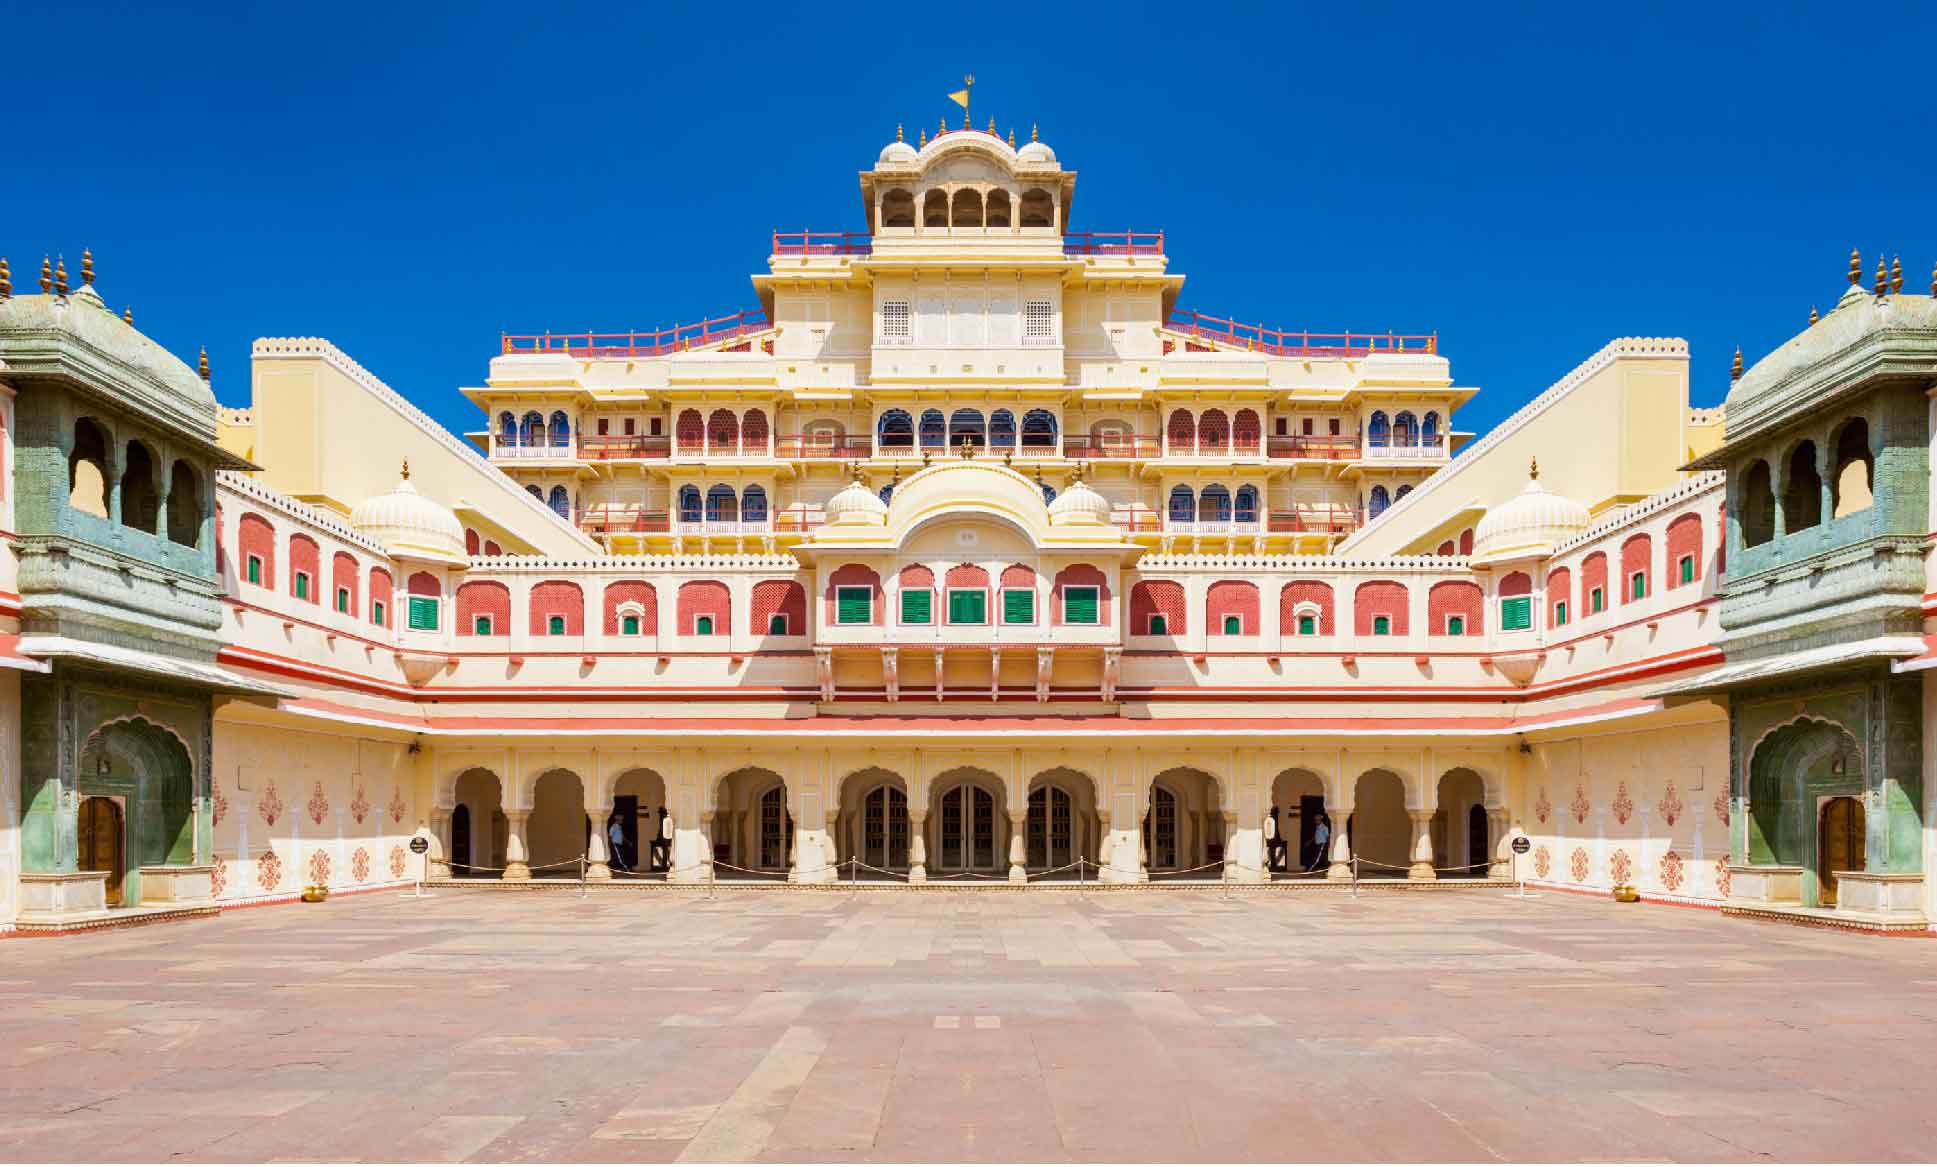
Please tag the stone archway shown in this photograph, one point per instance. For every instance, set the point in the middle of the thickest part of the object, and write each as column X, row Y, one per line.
column 1297, row 808
column 754, row 834
column 558, row 831
column 144, row 771
column 873, row 823
column 1795, row 771
column 639, row 806
column 1462, row 831
column 969, row 827
column 1379, row 828
column 1062, row 823
column 1183, row 827
column 477, row 830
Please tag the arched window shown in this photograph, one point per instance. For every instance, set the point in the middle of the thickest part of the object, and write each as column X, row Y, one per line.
column 561, row 429
column 689, row 509
column 1429, row 429
column 1377, row 431
column 87, row 470
column 1038, row 428
column 966, row 423
column 560, row 502
column 1802, row 495
column 1213, row 431
column 753, row 505
column 967, row 211
column 1758, row 506
column 1183, row 504
column 934, row 209
column 184, row 505
column 1247, row 432
column 1405, row 429
column 896, row 430
column 1403, row 492
column 507, row 429
column 1002, row 429
column 721, row 504
column 140, row 500
column 1182, row 432
column 1247, row 504
column 1214, row 504
column 1850, row 487
column 1379, row 501
column 998, row 208
column 1048, row 494
column 723, row 432
column 535, row 491
column 532, row 430
column 690, row 431
column 898, row 208
column 753, row 431
column 1038, row 208
column 934, row 430
column 887, row 492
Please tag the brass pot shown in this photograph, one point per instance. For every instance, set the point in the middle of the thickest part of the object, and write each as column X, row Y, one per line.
column 315, row 894
column 1626, row 894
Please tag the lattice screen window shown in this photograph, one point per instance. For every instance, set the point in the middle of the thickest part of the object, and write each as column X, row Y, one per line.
column 894, row 320
column 1038, row 320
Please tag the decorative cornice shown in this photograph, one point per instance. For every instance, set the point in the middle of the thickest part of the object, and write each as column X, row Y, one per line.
column 1706, row 482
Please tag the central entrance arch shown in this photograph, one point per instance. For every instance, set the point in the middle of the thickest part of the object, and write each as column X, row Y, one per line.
column 963, row 823
column 1839, row 842
column 1062, row 825
column 1183, row 831
column 752, row 823
column 1806, row 810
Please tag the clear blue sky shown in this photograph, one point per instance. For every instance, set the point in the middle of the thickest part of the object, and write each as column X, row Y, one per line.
column 408, row 181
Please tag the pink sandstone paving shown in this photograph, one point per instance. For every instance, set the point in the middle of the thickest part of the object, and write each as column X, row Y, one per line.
column 817, row 1027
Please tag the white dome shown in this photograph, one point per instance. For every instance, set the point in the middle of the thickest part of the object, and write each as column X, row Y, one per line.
column 1527, row 526
column 1079, row 504
column 898, row 151
column 410, row 525
column 855, row 504
column 1034, row 151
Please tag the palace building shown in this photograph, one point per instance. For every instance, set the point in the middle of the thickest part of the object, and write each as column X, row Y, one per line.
column 967, row 552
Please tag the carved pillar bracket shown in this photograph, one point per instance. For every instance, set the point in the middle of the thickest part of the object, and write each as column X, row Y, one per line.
column 891, row 671
column 824, row 671
column 1112, row 670
column 1045, row 665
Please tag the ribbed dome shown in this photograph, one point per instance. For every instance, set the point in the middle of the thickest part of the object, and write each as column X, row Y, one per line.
column 410, row 525
column 1038, row 152
column 856, row 504
column 1527, row 526
column 1079, row 504
column 898, row 151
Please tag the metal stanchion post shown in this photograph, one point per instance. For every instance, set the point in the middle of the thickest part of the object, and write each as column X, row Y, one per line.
column 581, row 875
column 1355, row 877
column 710, row 875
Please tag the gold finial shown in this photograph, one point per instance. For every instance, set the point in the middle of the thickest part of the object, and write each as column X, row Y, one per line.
column 967, row 448
column 1533, row 469
column 1012, row 137
column 897, row 131
column 87, row 267
column 1812, row 314
column 1735, row 368
column 991, row 127
column 1882, row 277
column 924, row 137
column 1896, row 274
column 6, row 279
column 1856, row 267
column 46, row 276
column 1032, row 131
column 942, row 128
column 926, row 454
column 201, row 363
column 60, row 275
column 406, row 470
column 128, row 316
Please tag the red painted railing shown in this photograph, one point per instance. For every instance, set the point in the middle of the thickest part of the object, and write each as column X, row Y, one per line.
column 812, row 446
column 822, row 243
column 1114, row 243
column 608, row 519
column 1258, row 338
column 1334, row 522
column 603, row 447
column 678, row 338
column 1138, row 519
column 1107, row 447
column 1310, row 446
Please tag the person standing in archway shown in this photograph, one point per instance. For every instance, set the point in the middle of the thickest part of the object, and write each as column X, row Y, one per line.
column 662, row 842
column 1321, row 843
column 615, row 834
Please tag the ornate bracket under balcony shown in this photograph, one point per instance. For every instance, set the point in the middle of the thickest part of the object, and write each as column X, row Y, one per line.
column 1112, row 671
column 891, row 671
column 1045, row 665
column 824, row 672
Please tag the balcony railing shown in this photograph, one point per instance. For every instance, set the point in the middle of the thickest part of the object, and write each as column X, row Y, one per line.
column 818, row 446
column 678, row 338
column 822, row 243
column 607, row 447
column 1334, row 448
column 1258, row 338
column 1114, row 243
column 1430, row 446
column 608, row 519
column 562, row 450
column 1322, row 522
column 1097, row 449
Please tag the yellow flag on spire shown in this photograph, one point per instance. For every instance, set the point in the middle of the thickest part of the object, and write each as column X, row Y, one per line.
column 960, row 97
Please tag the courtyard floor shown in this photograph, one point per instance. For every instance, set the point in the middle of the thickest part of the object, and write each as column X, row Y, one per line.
column 1043, row 1026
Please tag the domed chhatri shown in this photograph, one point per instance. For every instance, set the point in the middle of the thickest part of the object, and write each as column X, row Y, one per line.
column 1079, row 504
column 410, row 525
column 856, row 505
column 1527, row 526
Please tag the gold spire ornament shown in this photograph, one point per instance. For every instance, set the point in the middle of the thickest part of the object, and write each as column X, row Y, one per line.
column 60, row 275
column 924, row 137
column 1882, row 277
column 1812, row 314
column 1012, row 137
column 46, row 277
column 201, row 367
column 1533, row 469
column 128, row 316
column 6, row 279
column 1856, row 267
column 942, row 128
column 961, row 97
column 897, row 131
column 1896, row 275
column 967, row 448
column 1032, row 131
column 406, row 470
column 87, row 267
column 1735, row 369
column 991, row 127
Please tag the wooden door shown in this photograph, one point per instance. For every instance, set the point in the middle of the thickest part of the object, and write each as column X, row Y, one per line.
column 100, row 842
column 1839, row 845
column 1163, row 829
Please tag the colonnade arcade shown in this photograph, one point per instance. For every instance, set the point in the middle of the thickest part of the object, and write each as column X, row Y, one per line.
column 962, row 819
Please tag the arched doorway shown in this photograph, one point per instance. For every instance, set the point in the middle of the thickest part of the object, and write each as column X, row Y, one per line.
column 1062, row 824
column 1183, row 830
column 963, row 825
column 1796, row 773
column 1379, row 829
column 480, row 833
column 753, row 827
column 1297, row 808
column 101, row 842
column 639, row 808
column 1459, row 828
column 873, row 825
column 1839, row 843
column 559, row 829
column 1478, row 845
column 143, row 772
column 774, row 827
column 461, row 841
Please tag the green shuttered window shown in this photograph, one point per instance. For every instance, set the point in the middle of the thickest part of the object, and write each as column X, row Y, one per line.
column 917, row 606
column 968, row 606
column 423, row 613
column 854, row 605
column 1516, row 613
column 1018, row 606
column 1079, row 607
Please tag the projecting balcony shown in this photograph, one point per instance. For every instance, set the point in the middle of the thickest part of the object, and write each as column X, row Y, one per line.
column 609, row 448
column 1073, row 243
column 615, row 519
column 812, row 447
column 562, row 452
column 1315, row 448
column 1113, row 447
column 1426, row 448
column 1281, row 343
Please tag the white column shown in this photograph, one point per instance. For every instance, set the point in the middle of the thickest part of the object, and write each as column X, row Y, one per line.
column 1422, row 845
column 598, row 853
column 1502, row 865
column 917, row 847
column 691, row 851
column 1244, row 853
column 1018, row 854
column 516, row 865
column 437, row 859
column 1340, row 866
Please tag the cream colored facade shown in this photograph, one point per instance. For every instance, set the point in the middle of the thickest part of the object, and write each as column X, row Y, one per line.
column 1004, row 659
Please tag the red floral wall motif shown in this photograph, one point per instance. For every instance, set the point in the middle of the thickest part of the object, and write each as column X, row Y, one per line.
column 221, row 803
column 219, row 875
column 319, row 805
column 1579, row 865
column 1670, row 805
column 268, row 871
column 633, row 591
column 1580, row 806
column 271, row 805
column 319, row 868
column 1543, row 861
column 396, row 862
column 1722, row 876
column 1671, row 872
column 1620, row 866
column 397, row 808
column 1722, row 807
column 1541, row 807
column 360, row 866
column 1623, row 805
column 359, row 804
